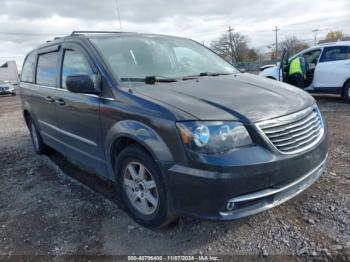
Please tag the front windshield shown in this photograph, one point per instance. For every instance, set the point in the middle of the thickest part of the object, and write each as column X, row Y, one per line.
column 142, row 56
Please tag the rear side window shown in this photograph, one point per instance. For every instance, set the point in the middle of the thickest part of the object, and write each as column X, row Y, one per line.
column 28, row 69
column 47, row 69
column 335, row 53
column 74, row 63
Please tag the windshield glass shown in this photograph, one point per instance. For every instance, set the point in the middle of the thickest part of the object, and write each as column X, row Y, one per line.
column 141, row 56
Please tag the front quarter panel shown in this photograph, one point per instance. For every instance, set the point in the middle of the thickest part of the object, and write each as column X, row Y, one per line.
column 153, row 128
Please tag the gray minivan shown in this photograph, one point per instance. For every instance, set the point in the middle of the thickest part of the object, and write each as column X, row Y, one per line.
column 179, row 130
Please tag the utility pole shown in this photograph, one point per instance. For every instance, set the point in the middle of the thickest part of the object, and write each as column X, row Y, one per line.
column 315, row 35
column 231, row 44
column 276, row 30
column 118, row 14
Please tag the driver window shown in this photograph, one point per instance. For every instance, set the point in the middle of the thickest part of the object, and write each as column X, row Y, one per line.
column 74, row 63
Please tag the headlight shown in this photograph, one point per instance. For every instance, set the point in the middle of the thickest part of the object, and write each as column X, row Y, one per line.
column 213, row 137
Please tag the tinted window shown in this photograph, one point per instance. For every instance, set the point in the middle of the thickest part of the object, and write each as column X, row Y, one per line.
column 28, row 69
column 74, row 63
column 335, row 53
column 46, row 71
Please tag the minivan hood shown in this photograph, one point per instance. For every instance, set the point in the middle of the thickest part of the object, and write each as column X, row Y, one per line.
column 245, row 97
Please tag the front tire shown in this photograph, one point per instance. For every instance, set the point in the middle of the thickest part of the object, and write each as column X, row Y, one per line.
column 38, row 144
column 142, row 188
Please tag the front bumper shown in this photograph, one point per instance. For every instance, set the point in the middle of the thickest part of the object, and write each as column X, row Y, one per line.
column 257, row 202
column 252, row 186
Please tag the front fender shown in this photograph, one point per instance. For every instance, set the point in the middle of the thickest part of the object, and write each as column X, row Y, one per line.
column 271, row 72
column 142, row 134
column 26, row 107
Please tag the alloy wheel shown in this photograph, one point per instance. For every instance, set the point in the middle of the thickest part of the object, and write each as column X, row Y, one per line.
column 140, row 188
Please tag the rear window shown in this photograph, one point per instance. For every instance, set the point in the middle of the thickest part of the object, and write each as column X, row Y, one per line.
column 335, row 53
column 47, row 69
column 28, row 69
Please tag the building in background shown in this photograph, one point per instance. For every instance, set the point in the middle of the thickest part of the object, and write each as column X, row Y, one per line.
column 9, row 72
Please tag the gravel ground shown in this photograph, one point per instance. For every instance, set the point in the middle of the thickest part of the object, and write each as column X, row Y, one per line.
column 48, row 206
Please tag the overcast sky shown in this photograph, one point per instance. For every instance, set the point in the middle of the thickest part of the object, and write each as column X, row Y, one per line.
column 25, row 24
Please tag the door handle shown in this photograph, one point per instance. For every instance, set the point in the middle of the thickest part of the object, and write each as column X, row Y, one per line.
column 50, row 99
column 61, row 102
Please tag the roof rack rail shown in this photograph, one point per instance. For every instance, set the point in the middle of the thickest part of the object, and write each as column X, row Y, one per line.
column 95, row 32
column 339, row 42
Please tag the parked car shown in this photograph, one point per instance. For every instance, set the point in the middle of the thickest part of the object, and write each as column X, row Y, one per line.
column 6, row 88
column 175, row 127
column 262, row 68
column 328, row 68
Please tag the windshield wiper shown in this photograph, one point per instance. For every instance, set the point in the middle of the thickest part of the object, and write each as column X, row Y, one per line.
column 204, row 74
column 150, row 80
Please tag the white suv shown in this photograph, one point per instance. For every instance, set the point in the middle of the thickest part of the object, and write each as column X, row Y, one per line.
column 328, row 68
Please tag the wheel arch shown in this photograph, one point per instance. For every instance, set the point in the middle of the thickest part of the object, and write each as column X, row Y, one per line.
column 27, row 113
column 26, row 116
column 271, row 77
column 128, row 132
column 347, row 81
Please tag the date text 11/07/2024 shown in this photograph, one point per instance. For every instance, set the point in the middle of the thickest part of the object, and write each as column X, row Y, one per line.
column 174, row 258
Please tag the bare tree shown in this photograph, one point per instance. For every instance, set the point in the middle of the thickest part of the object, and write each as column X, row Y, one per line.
column 293, row 45
column 239, row 49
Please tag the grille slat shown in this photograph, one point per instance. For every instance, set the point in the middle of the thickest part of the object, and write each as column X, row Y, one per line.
column 294, row 140
column 300, row 144
column 287, row 126
column 287, row 132
column 298, row 133
column 295, row 132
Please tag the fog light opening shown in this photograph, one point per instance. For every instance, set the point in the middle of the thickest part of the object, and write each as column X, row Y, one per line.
column 230, row 205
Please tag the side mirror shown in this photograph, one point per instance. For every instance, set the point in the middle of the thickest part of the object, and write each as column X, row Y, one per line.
column 81, row 84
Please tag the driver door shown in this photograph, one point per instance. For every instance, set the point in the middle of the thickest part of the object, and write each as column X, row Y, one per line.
column 283, row 67
column 79, row 113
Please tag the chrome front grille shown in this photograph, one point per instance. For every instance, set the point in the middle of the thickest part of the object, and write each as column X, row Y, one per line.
column 296, row 132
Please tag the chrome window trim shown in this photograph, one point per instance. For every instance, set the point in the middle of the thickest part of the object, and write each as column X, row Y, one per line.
column 65, row 90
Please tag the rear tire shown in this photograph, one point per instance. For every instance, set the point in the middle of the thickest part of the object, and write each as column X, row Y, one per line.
column 38, row 144
column 347, row 92
column 142, row 188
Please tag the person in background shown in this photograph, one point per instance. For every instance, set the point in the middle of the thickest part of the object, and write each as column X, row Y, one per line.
column 297, row 72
